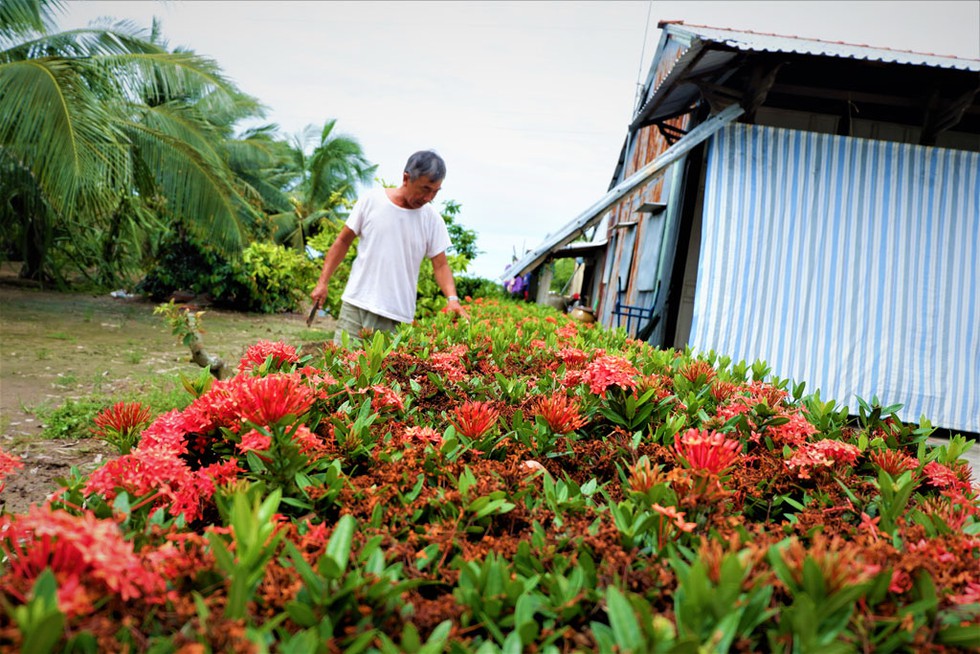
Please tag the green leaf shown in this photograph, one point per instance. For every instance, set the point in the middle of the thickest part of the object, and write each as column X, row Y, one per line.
column 623, row 621
column 337, row 554
column 967, row 636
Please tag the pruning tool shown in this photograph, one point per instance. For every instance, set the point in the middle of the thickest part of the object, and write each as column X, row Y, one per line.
column 309, row 318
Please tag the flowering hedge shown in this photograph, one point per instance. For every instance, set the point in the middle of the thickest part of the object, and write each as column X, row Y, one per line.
column 516, row 482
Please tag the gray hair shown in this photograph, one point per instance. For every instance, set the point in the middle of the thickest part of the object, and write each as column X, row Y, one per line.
column 426, row 163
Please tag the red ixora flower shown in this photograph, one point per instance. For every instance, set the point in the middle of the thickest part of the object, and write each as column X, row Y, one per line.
column 970, row 594
column 671, row 513
column 254, row 441
column 265, row 401
column 122, row 419
column 698, row 370
column 708, row 451
column 824, row 453
column 383, row 397
column 894, row 462
column 89, row 557
column 941, row 476
column 560, row 412
column 473, row 419
column 167, row 480
column 572, row 357
column 256, row 355
column 449, row 363
column 608, row 370
column 8, row 463
column 420, row 435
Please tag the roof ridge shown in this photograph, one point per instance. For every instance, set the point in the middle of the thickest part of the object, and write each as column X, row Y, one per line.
column 681, row 23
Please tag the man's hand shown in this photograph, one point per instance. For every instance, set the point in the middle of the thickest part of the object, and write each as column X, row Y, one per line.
column 453, row 306
column 319, row 294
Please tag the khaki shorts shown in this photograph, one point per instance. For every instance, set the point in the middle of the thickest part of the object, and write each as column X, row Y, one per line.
column 357, row 322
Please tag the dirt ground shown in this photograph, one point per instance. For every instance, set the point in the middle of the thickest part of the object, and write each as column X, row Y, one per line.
column 56, row 347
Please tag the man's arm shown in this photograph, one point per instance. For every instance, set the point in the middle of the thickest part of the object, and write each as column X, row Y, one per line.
column 334, row 256
column 444, row 278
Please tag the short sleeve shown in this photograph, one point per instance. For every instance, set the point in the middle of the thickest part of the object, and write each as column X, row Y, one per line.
column 439, row 241
column 355, row 221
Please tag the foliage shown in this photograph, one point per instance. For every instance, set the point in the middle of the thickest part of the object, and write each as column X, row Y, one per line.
column 277, row 278
column 463, row 239
column 321, row 186
column 479, row 287
column 517, row 482
column 266, row 278
column 429, row 298
column 73, row 419
column 105, row 135
column 562, row 271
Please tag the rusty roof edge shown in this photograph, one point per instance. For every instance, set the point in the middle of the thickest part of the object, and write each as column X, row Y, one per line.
column 761, row 41
column 654, row 97
column 585, row 219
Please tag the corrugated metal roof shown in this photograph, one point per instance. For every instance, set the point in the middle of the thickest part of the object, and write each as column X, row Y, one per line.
column 757, row 42
column 675, row 92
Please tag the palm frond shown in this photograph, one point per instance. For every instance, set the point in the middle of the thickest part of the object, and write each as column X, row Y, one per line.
column 55, row 126
column 19, row 17
column 123, row 37
column 192, row 177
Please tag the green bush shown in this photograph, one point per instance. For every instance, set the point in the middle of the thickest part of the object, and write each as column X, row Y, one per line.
column 476, row 287
column 278, row 279
column 267, row 278
column 184, row 265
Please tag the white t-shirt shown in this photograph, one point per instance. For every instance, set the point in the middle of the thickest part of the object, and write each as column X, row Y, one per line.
column 392, row 242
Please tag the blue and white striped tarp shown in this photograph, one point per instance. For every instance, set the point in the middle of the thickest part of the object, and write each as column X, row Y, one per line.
column 847, row 263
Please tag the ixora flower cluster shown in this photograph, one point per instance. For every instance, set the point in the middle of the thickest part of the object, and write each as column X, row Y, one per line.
column 518, row 482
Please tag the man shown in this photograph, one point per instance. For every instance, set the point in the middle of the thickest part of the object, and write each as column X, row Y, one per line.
column 397, row 228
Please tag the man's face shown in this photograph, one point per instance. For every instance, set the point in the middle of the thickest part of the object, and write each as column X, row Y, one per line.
column 420, row 191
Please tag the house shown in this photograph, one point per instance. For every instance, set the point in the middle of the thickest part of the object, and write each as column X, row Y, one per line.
column 812, row 204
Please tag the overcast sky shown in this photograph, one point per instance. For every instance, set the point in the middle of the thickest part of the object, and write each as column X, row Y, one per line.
column 527, row 101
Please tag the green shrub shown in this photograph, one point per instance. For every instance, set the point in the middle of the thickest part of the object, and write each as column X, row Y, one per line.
column 267, row 278
column 476, row 287
column 278, row 279
column 184, row 265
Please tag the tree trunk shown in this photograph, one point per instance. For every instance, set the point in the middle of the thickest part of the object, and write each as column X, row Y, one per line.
column 37, row 238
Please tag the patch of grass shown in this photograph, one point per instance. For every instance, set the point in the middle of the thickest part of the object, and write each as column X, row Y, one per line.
column 66, row 380
column 134, row 357
column 75, row 418
column 42, row 353
column 314, row 336
column 160, row 395
column 98, row 379
column 60, row 336
column 71, row 420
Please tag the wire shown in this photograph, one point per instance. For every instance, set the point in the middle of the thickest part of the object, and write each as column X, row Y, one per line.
column 643, row 52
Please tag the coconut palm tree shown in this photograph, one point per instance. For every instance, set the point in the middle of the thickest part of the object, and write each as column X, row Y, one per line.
column 324, row 180
column 106, row 129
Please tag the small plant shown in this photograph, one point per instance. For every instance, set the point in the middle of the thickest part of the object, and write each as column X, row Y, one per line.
column 73, row 419
column 121, row 424
column 66, row 380
column 252, row 543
